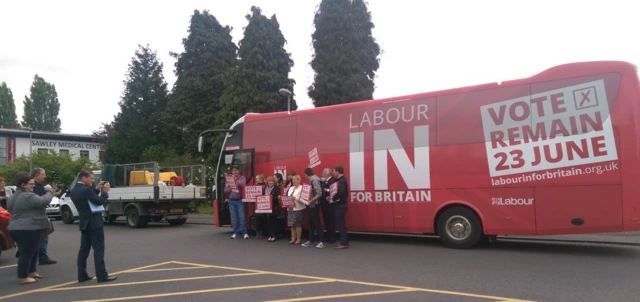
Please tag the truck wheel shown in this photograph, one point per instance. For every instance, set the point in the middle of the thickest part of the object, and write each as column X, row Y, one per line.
column 459, row 228
column 134, row 220
column 67, row 215
column 180, row 221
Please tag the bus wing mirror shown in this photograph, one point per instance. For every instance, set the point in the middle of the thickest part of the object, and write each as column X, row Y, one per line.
column 200, row 140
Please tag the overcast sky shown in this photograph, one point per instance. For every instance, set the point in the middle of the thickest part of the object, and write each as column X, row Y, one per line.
column 84, row 47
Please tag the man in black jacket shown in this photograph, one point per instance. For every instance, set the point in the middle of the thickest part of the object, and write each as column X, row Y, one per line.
column 340, row 203
column 90, row 207
column 327, row 208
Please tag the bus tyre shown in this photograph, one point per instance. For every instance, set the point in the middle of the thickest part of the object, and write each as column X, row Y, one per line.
column 180, row 221
column 459, row 228
column 134, row 220
column 67, row 215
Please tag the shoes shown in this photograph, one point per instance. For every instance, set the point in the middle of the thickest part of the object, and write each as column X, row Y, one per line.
column 47, row 261
column 108, row 279
column 85, row 279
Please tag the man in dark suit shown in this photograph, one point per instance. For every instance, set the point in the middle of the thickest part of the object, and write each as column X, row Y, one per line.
column 91, row 225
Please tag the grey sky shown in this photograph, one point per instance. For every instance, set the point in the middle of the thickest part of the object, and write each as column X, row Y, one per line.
column 84, row 48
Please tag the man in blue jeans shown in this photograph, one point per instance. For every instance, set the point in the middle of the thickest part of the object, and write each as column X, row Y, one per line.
column 236, row 206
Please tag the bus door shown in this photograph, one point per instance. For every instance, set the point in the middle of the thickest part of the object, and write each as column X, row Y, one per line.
column 243, row 159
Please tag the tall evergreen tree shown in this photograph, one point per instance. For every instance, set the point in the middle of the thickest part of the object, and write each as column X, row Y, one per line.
column 209, row 52
column 346, row 54
column 263, row 69
column 139, row 125
column 42, row 108
column 8, row 117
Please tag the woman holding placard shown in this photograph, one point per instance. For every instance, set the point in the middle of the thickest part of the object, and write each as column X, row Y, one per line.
column 272, row 218
column 294, row 215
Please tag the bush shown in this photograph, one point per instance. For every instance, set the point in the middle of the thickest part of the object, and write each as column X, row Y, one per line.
column 60, row 168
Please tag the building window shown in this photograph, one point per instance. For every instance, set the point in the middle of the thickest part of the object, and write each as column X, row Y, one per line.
column 84, row 153
column 100, row 155
column 43, row 150
column 4, row 152
column 64, row 151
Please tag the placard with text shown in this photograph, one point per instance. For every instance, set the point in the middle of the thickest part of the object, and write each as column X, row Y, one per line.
column 305, row 195
column 263, row 204
column 231, row 182
column 287, row 202
column 251, row 192
column 333, row 189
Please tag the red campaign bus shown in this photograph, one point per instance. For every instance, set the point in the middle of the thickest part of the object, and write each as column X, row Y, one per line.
column 556, row 153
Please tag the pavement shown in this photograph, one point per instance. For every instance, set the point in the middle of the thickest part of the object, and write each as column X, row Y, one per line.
column 198, row 262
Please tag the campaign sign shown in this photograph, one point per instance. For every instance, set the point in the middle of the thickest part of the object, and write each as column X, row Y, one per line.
column 231, row 182
column 287, row 202
column 333, row 189
column 263, row 204
column 251, row 192
column 305, row 195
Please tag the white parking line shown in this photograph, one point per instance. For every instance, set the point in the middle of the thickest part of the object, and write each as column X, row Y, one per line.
column 8, row 266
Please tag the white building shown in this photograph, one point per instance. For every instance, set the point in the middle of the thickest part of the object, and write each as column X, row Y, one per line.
column 14, row 143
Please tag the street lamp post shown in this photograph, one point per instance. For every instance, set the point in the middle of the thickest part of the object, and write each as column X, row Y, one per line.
column 30, row 147
column 284, row 91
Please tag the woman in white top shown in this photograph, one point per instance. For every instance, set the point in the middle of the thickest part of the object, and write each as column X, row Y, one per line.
column 294, row 215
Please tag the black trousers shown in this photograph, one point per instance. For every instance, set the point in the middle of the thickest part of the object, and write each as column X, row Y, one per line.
column 272, row 224
column 328, row 216
column 341, row 223
column 314, row 224
column 28, row 245
column 92, row 239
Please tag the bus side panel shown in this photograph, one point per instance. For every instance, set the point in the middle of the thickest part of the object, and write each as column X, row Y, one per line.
column 578, row 210
column 630, row 154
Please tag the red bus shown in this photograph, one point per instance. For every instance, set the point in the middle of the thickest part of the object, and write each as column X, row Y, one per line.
column 556, row 153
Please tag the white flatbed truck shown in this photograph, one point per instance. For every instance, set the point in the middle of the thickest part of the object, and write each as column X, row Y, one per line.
column 145, row 192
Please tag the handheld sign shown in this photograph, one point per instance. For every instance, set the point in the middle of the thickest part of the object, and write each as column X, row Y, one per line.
column 251, row 192
column 305, row 195
column 231, row 181
column 333, row 189
column 263, row 204
column 287, row 202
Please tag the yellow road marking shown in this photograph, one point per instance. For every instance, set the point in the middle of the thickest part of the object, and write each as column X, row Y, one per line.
column 205, row 291
column 382, row 292
column 165, row 269
column 152, row 281
column 73, row 282
column 427, row 290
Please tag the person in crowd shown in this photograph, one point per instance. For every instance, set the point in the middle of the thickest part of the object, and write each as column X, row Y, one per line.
column 236, row 206
column 340, row 206
column 294, row 215
column 259, row 180
column 290, row 175
column 328, row 216
column 272, row 218
column 39, row 175
column 28, row 222
column 91, row 222
column 259, row 220
column 5, row 193
column 280, row 182
column 314, row 209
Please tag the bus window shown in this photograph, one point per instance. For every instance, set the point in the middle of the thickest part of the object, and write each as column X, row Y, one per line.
column 243, row 159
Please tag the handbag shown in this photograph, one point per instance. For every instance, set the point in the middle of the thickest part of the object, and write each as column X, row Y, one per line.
column 48, row 230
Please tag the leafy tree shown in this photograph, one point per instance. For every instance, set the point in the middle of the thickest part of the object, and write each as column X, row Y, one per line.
column 346, row 54
column 60, row 168
column 263, row 69
column 209, row 52
column 139, row 123
column 101, row 135
column 41, row 109
column 8, row 118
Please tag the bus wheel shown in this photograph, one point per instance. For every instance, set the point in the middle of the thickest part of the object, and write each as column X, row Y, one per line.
column 459, row 228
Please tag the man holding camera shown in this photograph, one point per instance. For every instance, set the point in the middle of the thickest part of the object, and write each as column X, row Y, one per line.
column 90, row 207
